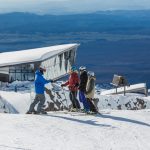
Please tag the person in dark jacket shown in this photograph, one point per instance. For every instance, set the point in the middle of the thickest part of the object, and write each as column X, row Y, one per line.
column 73, row 84
column 40, row 82
column 90, row 91
column 82, row 88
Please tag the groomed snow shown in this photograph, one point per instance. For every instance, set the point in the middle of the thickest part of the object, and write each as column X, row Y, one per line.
column 32, row 55
column 119, row 130
column 113, row 130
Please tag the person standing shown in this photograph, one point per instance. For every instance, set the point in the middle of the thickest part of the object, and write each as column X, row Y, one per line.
column 73, row 84
column 82, row 88
column 40, row 82
column 90, row 91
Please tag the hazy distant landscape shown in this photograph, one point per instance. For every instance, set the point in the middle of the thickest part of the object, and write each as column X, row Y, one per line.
column 111, row 42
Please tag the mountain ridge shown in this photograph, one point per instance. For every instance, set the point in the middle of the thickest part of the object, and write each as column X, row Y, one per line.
column 109, row 22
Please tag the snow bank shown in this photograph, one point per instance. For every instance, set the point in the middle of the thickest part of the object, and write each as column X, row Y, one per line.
column 24, row 86
column 21, row 100
column 18, row 101
column 121, row 102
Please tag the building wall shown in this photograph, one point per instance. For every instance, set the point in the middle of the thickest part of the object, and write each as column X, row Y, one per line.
column 60, row 64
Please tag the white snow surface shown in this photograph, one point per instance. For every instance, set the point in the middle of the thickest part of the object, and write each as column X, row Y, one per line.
column 131, row 88
column 31, row 55
column 18, row 102
column 116, row 130
column 112, row 130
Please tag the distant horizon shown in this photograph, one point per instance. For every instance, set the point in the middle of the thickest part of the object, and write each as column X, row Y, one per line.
column 59, row 7
column 94, row 12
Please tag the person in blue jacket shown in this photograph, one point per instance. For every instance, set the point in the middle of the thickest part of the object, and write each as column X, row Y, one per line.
column 40, row 82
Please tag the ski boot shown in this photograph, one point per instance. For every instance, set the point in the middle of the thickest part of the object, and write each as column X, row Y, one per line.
column 28, row 112
column 73, row 110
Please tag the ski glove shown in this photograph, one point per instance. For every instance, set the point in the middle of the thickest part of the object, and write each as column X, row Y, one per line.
column 76, row 85
column 52, row 81
column 62, row 85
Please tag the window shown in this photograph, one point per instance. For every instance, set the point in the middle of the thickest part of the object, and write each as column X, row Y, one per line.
column 21, row 72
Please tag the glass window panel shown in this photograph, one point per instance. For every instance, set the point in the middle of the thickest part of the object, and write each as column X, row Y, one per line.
column 24, row 76
column 18, row 76
column 25, row 71
column 30, row 76
column 18, row 67
column 18, row 70
column 11, row 70
column 31, row 67
column 12, row 77
column 12, row 67
column 24, row 67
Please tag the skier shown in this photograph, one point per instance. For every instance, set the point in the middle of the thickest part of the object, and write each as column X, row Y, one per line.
column 82, row 88
column 90, row 90
column 40, row 81
column 73, row 84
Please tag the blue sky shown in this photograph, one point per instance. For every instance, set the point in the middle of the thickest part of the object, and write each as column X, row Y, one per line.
column 70, row 6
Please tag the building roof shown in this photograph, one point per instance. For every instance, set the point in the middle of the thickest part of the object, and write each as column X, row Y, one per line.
column 32, row 55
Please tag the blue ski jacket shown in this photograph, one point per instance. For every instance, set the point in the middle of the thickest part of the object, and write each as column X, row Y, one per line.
column 40, row 81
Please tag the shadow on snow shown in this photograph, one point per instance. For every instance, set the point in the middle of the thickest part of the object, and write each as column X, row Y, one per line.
column 94, row 123
column 10, row 147
column 89, row 122
column 122, row 119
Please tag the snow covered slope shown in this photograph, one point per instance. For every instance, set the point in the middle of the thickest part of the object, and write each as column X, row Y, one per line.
column 119, row 130
column 112, row 130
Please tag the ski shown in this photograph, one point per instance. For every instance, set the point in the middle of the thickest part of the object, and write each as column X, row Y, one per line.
column 72, row 113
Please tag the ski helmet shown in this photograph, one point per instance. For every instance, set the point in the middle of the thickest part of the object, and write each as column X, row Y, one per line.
column 73, row 68
column 91, row 73
column 82, row 68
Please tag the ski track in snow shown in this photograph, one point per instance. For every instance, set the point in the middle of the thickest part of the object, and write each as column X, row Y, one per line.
column 119, row 130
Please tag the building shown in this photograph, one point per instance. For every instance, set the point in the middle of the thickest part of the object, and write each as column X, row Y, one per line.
column 21, row 65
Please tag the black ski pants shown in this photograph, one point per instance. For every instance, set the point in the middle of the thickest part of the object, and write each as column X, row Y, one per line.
column 73, row 98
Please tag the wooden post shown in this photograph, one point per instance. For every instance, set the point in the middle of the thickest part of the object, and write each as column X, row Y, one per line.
column 146, row 91
column 124, row 90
